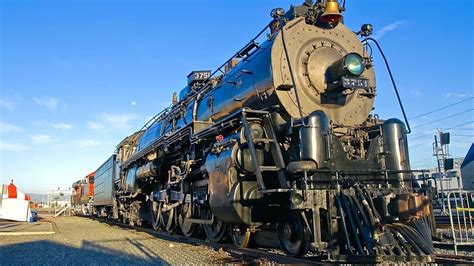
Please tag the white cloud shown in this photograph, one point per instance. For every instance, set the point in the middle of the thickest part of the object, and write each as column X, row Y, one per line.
column 83, row 143
column 64, row 126
column 5, row 127
column 94, row 125
column 10, row 106
column 41, row 139
column 133, row 103
column 50, row 103
column 455, row 95
column 388, row 28
column 416, row 93
column 115, row 121
column 119, row 120
column 5, row 146
column 39, row 123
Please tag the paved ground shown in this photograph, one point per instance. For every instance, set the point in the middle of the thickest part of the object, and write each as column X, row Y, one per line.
column 84, row 241
column 18, row 228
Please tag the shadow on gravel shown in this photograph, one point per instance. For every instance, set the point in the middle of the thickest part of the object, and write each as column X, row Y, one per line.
column 48, row 252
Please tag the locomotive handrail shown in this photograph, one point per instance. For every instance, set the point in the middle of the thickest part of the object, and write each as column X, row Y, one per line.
column 393, row 82
column 156, row 117
column 180, row 133
column 290, row 69
column 193, row 94
column 237, row 53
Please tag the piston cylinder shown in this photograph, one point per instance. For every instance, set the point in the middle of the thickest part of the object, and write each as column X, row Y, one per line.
column 148, row 170
column 313, row 137
column 395, row 147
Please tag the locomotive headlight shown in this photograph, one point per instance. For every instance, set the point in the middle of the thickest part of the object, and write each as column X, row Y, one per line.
column 296, row 199
column 354, row 64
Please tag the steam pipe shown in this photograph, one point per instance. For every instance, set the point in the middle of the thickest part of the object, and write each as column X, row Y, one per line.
column 409, row 239
column 343, row 221
column 396, row 235
column 366, row 205
column 351, row 222
column 356, row 207
column 372, row 205
column 416, row 237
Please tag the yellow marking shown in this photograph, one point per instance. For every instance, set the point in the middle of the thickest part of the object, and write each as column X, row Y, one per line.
column 465, row 209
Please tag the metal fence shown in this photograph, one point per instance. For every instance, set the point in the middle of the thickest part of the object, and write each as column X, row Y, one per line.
column 460, row 208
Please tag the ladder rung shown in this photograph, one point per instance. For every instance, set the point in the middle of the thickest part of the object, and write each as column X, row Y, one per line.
column 265, row 140
column 247, row 111
column 275, row 190
column 268, row 168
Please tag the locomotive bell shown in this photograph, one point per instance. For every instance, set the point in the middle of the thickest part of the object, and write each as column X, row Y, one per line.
column 174, row 100
column 331, row 12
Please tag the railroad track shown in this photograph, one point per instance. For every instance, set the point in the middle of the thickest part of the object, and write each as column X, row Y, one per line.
column 263, row 254
column 454, row 259
column 240, row 252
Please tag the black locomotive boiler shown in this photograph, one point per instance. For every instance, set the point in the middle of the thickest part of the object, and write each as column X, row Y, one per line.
column 278, row 147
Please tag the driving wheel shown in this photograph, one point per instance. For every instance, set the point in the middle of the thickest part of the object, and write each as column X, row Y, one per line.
column 185, row 211
column 215, row 232
column 241, row 236
column 155, row 214
column 167, row 218
column 293, row 233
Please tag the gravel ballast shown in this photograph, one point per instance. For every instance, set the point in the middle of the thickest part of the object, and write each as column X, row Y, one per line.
column 84, row 241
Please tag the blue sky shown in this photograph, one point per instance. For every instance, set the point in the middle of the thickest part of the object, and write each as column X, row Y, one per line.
column 78, row 76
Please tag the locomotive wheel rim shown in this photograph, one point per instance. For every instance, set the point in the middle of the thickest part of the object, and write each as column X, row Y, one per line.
column 241, row 237
column 84, row 210
column 167, row 219
column 185, row 212
column 215, row 232
column 293, row 234
column 155, row 214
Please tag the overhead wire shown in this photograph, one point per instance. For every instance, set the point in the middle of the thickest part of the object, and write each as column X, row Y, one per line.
column 444, row 118
column 441, row 108
column 419, row 144
column 412, row 137
column 460, row 125
column 445, row 129
column 460, row 141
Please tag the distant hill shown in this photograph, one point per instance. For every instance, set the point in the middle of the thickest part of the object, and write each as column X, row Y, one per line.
column 37, row 198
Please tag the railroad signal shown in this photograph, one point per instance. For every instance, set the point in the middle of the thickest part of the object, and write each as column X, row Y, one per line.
column 444, row 138
column 448, row 164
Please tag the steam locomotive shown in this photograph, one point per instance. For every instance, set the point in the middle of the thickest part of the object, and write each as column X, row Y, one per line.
column 278, row 147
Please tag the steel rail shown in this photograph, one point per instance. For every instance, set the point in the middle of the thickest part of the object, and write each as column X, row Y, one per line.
column 453, row 259
column 244, row 252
